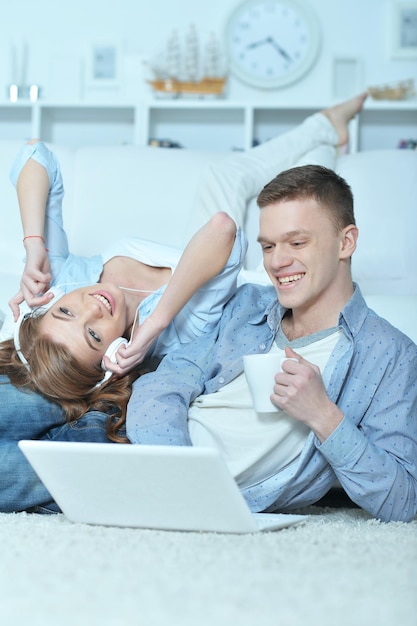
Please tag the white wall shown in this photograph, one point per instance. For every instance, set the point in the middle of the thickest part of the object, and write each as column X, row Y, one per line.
column 59, row 34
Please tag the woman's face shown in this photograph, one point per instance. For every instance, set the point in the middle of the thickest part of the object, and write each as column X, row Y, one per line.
column 87, row 320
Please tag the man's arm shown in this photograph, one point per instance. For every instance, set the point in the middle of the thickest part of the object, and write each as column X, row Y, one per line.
column 370, row 439
column 157, row 412
column 374, row 456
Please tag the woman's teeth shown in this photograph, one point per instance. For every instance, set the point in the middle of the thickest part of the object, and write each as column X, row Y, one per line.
column 103, row 300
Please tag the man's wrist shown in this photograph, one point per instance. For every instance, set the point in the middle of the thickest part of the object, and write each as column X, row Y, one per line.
column 328, row 422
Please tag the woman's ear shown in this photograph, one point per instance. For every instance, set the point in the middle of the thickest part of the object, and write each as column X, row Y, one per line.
column 349, row 238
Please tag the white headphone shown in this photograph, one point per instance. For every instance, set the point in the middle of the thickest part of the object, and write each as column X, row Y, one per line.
column 35, row 312
column 111, row 354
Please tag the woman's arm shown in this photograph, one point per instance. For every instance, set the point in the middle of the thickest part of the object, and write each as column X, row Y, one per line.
column 32, row 192
column 204, row 257
column 36, row 174
column 32, row 189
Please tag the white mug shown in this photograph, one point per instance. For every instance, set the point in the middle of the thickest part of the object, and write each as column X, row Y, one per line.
column 260, row 370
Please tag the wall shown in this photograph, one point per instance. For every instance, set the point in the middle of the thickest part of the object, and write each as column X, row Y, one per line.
column 59, row 38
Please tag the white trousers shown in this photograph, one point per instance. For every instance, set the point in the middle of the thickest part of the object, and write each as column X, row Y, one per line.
column 229, row 184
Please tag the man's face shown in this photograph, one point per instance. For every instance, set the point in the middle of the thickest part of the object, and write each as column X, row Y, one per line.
column 305, row 258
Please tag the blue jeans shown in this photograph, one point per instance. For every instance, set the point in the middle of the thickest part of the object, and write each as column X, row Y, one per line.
column 27, row 415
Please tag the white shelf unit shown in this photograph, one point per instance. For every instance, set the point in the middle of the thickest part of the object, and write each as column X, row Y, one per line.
column 87, row 124
column 16, row 120
column 216, row 125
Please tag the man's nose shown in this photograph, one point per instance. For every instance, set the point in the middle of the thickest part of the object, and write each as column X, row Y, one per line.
column 280, row 258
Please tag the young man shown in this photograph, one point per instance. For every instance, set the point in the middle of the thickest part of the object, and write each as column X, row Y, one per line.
column 347, row 403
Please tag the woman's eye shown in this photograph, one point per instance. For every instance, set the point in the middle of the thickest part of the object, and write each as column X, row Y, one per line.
column 64, row 311
column 94, row 335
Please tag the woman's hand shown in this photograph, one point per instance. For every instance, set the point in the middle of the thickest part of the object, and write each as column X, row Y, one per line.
column 36, row 278
column 136, row 350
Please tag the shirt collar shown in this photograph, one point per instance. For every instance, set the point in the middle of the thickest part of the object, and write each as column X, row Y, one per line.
column 354, row 312
column 351, row 318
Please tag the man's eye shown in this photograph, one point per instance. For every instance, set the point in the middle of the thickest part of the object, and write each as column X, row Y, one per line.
column 266, row 247
column 296, row 244
column 94, row 335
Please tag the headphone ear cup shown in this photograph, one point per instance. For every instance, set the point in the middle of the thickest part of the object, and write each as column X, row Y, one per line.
column 26, row 312
column 57, row 293
column 112, row 351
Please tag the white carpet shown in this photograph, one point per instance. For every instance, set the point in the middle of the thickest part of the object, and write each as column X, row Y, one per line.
column 338, row 568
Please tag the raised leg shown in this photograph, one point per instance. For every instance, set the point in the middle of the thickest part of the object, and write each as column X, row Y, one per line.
column 230, row 183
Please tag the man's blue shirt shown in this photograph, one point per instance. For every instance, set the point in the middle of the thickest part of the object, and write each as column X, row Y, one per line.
column 371, row 376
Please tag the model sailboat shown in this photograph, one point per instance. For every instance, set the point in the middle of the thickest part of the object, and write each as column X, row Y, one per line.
column 181, row 74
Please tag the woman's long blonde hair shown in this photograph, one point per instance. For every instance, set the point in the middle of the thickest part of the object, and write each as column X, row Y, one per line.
column 57, row 375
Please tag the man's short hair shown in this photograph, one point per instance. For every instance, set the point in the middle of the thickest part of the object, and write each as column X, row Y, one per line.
column 316, row 182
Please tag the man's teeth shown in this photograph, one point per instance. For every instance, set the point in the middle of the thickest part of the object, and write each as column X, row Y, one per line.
column 290, row 279
column 104, row 301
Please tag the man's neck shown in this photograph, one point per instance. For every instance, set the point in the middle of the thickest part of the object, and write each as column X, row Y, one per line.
column 298, row 323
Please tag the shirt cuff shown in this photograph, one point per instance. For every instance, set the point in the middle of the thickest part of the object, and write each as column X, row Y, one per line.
column 344, row 446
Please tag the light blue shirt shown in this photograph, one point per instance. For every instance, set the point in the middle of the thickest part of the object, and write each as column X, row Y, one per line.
column 371, row 376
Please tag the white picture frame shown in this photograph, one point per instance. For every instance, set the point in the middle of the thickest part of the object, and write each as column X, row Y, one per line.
column 347, row 76
column 103, row 64
column 403, row 29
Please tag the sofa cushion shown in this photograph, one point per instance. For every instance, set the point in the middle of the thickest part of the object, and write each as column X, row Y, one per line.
column 384, row 184
column 140, row 191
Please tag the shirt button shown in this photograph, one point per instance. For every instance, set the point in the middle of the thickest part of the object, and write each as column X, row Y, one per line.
column 262, row 346
column 221, row 380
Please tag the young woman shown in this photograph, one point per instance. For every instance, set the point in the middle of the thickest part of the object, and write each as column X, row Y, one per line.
column 136, row 285
column 132, row 290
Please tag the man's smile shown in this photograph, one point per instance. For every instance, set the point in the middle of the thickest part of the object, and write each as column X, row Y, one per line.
column 284, row 280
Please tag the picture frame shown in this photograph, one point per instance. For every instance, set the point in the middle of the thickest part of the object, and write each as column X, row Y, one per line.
column 403, row 29
column 103, row 64
column 347, row 76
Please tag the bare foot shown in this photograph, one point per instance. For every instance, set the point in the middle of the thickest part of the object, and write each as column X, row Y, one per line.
column 341, row 114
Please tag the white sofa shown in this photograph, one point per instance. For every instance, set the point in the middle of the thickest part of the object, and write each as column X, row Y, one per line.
column 148, row 192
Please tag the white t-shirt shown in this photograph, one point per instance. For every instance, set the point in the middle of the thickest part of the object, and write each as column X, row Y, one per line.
column 255, row 445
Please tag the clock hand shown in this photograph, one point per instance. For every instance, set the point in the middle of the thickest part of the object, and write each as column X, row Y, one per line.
column 278, row 48
column 255, row 44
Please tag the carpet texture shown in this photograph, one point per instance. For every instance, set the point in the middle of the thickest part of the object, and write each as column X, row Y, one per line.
column 339, row 568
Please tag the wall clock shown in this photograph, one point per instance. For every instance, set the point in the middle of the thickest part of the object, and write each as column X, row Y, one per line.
column 271, row 43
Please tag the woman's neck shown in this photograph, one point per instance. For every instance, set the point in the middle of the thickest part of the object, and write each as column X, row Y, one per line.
column 137, row 280
column 135, row 276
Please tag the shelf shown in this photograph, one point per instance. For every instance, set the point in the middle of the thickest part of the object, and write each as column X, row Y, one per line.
column 87, row 124
column 15, row 120
column 207, row 124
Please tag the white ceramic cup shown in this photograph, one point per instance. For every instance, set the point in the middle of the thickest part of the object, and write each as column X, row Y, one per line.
column 260, row 370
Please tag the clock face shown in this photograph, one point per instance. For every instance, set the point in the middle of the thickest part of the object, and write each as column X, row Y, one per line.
column 271, row 43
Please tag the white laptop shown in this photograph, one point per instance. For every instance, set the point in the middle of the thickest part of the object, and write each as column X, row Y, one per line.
column 142, row 486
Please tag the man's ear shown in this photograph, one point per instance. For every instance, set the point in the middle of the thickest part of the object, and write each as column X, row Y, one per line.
column 349, row 238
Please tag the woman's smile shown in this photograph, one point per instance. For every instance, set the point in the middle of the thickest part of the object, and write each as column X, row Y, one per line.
column 106, row 299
